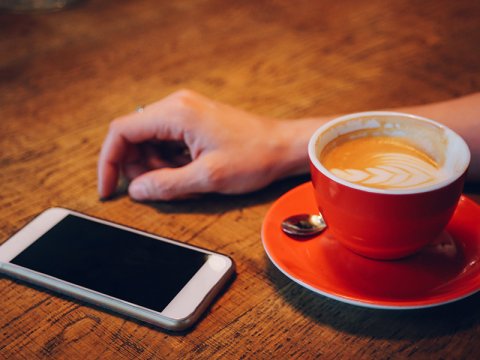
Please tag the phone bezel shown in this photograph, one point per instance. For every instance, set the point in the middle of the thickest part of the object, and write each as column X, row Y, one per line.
column 180, row 313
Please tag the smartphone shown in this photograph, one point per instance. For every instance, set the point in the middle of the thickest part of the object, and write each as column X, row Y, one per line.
column 157, row 280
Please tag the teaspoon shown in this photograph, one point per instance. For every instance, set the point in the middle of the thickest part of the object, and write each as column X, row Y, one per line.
column 304, row 224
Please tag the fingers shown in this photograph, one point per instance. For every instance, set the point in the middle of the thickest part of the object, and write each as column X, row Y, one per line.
column 118, row 145
column 112, row 152
column 172, row 183
column 167, row 120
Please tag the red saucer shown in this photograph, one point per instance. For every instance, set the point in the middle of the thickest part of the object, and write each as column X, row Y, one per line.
column 444, row 271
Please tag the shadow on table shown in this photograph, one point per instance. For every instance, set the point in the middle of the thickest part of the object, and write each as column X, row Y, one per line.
column 101, row 309
column 218, row 203
column 472, row 188
column 384, row 324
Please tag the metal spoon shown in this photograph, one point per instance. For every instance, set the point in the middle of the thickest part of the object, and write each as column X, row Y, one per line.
column 304, row 224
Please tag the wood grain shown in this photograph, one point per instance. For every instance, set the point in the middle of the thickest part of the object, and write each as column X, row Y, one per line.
column 65, row 75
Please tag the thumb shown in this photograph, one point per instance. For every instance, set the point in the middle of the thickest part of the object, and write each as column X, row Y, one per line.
column 170, row 183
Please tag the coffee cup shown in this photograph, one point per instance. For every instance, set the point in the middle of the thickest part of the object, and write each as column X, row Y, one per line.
column 387, row 183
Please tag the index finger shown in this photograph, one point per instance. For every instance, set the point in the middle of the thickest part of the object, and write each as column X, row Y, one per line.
column 122, row 134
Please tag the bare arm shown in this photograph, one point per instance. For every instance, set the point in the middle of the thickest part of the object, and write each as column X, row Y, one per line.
column 231, row 151
column 461, row 115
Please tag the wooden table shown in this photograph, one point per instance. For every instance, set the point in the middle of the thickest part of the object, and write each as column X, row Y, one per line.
column 65, row 75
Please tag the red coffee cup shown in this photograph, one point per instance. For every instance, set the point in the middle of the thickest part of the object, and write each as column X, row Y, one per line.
column 389, row 223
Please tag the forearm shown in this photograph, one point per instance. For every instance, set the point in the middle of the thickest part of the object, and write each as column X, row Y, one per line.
column 461, row 115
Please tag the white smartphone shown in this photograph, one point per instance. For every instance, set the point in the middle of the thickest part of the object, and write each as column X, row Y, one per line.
column 147, row 277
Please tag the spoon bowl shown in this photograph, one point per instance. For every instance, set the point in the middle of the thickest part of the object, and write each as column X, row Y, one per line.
column 304, row 225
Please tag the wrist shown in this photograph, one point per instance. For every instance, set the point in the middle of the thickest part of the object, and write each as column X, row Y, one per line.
column 293, row 137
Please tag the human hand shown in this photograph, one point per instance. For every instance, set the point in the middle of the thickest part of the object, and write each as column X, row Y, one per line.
column 188, row 144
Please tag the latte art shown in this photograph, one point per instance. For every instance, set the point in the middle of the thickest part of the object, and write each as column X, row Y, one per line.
column 381, row 162
column 393, row 171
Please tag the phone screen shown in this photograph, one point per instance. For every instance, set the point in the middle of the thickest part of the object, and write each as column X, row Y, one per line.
column 119, row 263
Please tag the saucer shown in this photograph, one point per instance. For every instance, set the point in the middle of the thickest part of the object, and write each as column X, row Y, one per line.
column 444, row 271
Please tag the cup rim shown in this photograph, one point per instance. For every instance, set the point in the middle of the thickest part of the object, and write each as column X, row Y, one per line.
column 312, row 154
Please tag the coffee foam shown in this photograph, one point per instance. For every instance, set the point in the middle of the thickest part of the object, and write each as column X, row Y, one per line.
column 393, row 171
column 445, row 147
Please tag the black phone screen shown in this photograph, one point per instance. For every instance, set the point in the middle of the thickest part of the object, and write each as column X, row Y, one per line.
column 119, row 263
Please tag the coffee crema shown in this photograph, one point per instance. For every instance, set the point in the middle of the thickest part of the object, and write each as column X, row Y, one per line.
column 380, row 161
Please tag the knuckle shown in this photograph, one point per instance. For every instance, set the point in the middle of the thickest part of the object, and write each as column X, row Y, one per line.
column 115, row 125
column 182, row 106
column 183, row 98
column 184, row 94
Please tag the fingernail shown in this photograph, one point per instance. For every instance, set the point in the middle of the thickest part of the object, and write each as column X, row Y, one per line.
column 138, row 191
